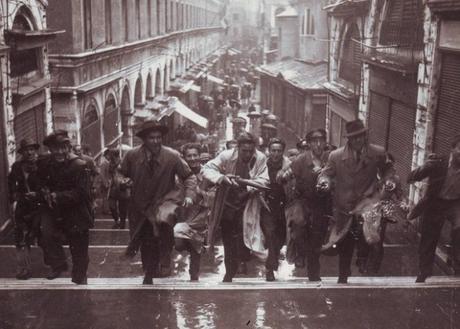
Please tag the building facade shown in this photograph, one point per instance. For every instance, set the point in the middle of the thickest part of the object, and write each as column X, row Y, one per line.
column 25, row 82
column 116, row 56
column 292, row 87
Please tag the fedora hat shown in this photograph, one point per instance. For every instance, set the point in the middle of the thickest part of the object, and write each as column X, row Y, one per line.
column 151, row 125
column 354, row 128
column 57, row 137
column 27, row 142
column 269, row 126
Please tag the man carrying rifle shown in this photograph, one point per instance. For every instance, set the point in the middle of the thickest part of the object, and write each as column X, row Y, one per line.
column 67, row 217
column 233, row 170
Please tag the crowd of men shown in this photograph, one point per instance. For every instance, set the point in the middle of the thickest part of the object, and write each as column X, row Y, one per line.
column 314, row 200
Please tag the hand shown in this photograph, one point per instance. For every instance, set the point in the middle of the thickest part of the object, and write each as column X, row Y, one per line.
column 228, row 181
column 187, row 202
column 30, row 195
column 323, row 186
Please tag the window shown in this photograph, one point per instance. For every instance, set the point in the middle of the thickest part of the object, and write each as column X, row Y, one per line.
column 308, row 23
column 26, row 60
column 166, row 15
column 149, row 16
column 108, row 22
column 138, row 19
column 403, row 23
column 124, row 21
column 350, row 64
column 87, row 17
column 158, row 17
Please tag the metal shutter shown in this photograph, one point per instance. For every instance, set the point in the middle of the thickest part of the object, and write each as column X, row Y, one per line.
column 447, row 122
column 400, row 139
column 379, row 115
column 91, row 136
column 111, row 118
column 30, row 124
column 4, row 209
column 318, row 117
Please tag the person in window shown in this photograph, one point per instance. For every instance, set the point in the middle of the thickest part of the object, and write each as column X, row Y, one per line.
column 24, row 188
column 354, row 171
column 441, row 202
column 155, row 197
column 66, row 189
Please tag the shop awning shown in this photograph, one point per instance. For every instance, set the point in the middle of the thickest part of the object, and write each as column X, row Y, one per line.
column 233, row 51
column 180, row 108
column 215, row 79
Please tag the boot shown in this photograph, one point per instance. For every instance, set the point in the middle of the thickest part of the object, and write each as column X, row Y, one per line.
column 269, row 276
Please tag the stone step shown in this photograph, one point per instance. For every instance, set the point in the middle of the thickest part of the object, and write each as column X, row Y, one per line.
column 97, row 237
column 108, row 262
column 105, row 223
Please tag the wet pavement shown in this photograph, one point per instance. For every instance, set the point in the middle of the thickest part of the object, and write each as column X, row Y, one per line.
column 437, row 308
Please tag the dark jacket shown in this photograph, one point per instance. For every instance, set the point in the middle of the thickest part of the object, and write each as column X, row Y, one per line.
column 71, row 182
column 436, row 171
column 18, row 186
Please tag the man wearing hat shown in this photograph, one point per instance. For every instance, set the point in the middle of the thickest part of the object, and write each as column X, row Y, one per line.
column 23, row 188
column 308, row 233
column 153, row 168
column 355, row 170
column 68, row 215
column 441, row 202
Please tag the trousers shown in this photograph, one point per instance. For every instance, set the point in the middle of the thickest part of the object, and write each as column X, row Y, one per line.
column 232, row 237
column 52, row 237
column 432, row 222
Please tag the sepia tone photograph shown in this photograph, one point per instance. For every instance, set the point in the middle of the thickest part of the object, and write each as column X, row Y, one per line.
column 227, row 164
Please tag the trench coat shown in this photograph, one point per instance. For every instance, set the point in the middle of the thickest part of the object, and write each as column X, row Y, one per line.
column 352, row 181
column 225, row 164
column 152, row 185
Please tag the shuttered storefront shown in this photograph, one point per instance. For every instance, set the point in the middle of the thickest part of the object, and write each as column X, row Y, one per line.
column 379, row 116
column 318, row 117
column 111, row 121
column 447, row 121
column 400, row 140
column 30, row 124
column 91, row 130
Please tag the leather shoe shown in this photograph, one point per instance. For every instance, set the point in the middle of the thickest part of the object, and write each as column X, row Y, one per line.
column 193, row 277
column 269, row 276
column 227, row 278
column 314, row 278
column 23, row 275
column 80, row 281
column 148, row 280
column 343, row 279
column 421, row 278
column 54, row 274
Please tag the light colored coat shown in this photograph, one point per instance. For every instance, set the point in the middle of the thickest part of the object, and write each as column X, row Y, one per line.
column 225, row 164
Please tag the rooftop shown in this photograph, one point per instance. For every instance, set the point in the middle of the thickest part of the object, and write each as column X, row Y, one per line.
column 301, row 74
